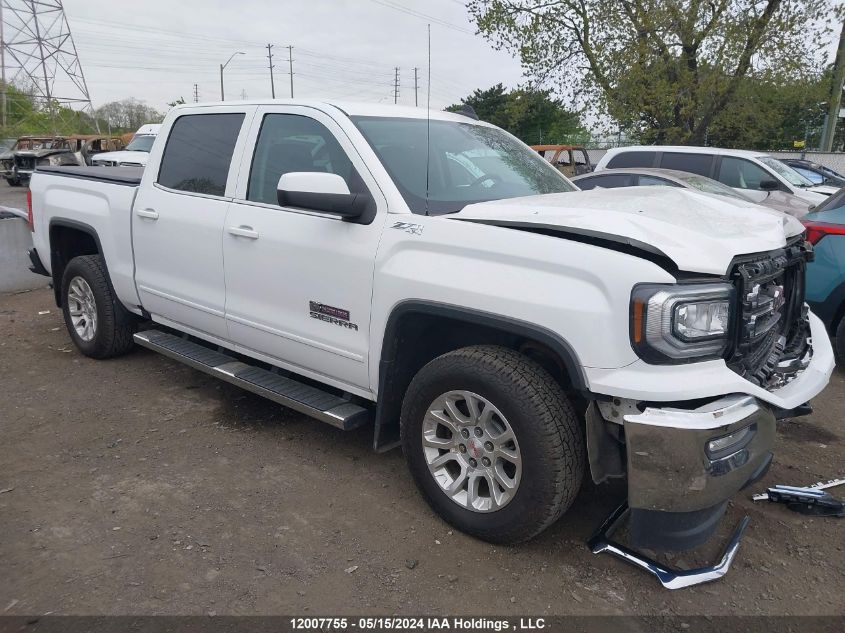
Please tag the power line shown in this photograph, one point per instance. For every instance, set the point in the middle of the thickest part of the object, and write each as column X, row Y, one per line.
column 422, row 16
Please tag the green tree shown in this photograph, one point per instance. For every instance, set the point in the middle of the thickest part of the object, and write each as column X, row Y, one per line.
column 533, row 116
column 127, row 115
column 665, row 69
column 768, row 116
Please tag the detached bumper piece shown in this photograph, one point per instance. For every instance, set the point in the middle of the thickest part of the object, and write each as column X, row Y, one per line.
column 670, row 578
column 810, row 501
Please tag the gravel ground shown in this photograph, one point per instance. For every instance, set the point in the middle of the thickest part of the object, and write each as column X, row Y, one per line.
column 140, row 486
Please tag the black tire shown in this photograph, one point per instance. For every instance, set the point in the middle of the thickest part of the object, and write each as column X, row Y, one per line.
column 839, row 342
column 13, row 182
column 547, row 429
column 115, row 325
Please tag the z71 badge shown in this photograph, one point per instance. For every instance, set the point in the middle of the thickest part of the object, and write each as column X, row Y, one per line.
column 409, row 227
column 329, row 314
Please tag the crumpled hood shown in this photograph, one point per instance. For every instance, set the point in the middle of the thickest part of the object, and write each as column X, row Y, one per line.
column 138, row 158
column 699, row 232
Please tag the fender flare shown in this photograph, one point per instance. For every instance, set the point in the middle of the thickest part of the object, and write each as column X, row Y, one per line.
column 388, row 402
column 81, row 227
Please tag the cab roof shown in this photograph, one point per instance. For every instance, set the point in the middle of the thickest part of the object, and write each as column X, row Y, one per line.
column 350, row 108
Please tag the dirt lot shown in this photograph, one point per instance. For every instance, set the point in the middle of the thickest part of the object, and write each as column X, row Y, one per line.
column 139, row 486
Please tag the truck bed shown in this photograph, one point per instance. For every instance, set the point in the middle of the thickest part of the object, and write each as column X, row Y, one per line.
column 129, row 176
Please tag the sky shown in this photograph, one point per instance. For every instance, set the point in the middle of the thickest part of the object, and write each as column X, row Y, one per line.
column 156, row 50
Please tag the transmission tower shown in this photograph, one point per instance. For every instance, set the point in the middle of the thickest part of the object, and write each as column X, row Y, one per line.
column 39, row 59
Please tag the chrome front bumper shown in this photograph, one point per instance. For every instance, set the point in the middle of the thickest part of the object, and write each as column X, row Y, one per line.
column 672, row 465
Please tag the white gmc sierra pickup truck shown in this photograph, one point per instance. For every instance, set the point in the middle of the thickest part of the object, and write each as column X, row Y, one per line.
column 433, row 274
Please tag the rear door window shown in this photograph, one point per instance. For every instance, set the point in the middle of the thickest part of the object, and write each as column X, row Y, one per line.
column 606, row 181
column 700, row 164
column 632, row 159
column 199, row 152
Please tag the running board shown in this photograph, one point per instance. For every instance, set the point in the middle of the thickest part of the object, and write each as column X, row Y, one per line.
column 298, row 396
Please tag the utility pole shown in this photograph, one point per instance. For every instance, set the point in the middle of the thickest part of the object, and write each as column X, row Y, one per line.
column 196, row 93
column 3, row 68
column 290, row 63
column 416, row 86
column 835, row 95
column 396, row 85
column 270, row 58
column 243, row 94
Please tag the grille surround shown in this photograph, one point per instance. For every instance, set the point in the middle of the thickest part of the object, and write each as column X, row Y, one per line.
column 771, row 343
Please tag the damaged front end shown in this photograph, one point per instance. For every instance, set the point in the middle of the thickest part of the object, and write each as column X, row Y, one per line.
column 685, row 460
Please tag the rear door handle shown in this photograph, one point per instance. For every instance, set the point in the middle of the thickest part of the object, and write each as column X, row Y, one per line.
column 151, row 214
column 243, row 231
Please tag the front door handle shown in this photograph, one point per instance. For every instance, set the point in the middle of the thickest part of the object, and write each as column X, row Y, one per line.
column 243, row 231
column 151, row 214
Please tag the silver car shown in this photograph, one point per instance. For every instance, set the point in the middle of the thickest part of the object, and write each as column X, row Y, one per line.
column 654, row 177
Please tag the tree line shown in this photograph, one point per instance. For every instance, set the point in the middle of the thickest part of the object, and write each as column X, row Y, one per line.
column 28, row 115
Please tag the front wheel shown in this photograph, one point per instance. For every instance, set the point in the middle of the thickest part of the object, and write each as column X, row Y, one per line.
column 492, row 443
column 98, row 324
column 13, row 182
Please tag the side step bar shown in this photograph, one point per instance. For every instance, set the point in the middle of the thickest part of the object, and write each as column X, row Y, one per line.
column 306, row 399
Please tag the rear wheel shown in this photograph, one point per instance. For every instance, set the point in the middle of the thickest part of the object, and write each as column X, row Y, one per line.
column 13, row 182
column 492, row 442
column 839, row 342
column 98, row 324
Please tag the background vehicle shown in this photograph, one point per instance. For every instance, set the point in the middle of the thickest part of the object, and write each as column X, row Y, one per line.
column 815, row 173
column 61, row 151
column 826, row 274
column 752, row 173
column 610, row 178
column 8, row 158
column 305, row 254
column 570, row 160
column 136, row 152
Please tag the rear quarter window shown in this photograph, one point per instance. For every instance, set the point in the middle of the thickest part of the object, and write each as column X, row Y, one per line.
column 605, row 181
column 632, row 159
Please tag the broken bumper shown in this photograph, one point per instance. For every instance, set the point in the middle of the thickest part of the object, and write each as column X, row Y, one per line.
column 688, row 460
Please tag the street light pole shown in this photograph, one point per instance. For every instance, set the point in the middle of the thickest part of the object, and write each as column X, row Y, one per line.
column 222, row 67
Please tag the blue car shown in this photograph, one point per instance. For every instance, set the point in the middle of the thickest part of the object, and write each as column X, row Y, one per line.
column 826, row 275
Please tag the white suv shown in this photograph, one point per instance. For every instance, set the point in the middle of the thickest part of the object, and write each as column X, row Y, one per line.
column 753, row 173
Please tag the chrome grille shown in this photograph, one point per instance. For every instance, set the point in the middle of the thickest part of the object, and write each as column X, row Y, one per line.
column 772, row 343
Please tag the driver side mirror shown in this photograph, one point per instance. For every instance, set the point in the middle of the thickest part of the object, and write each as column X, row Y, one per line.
column 322, row 192
column 769, row 185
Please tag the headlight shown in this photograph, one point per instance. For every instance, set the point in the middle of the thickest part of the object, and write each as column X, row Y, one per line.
column 681, row 323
